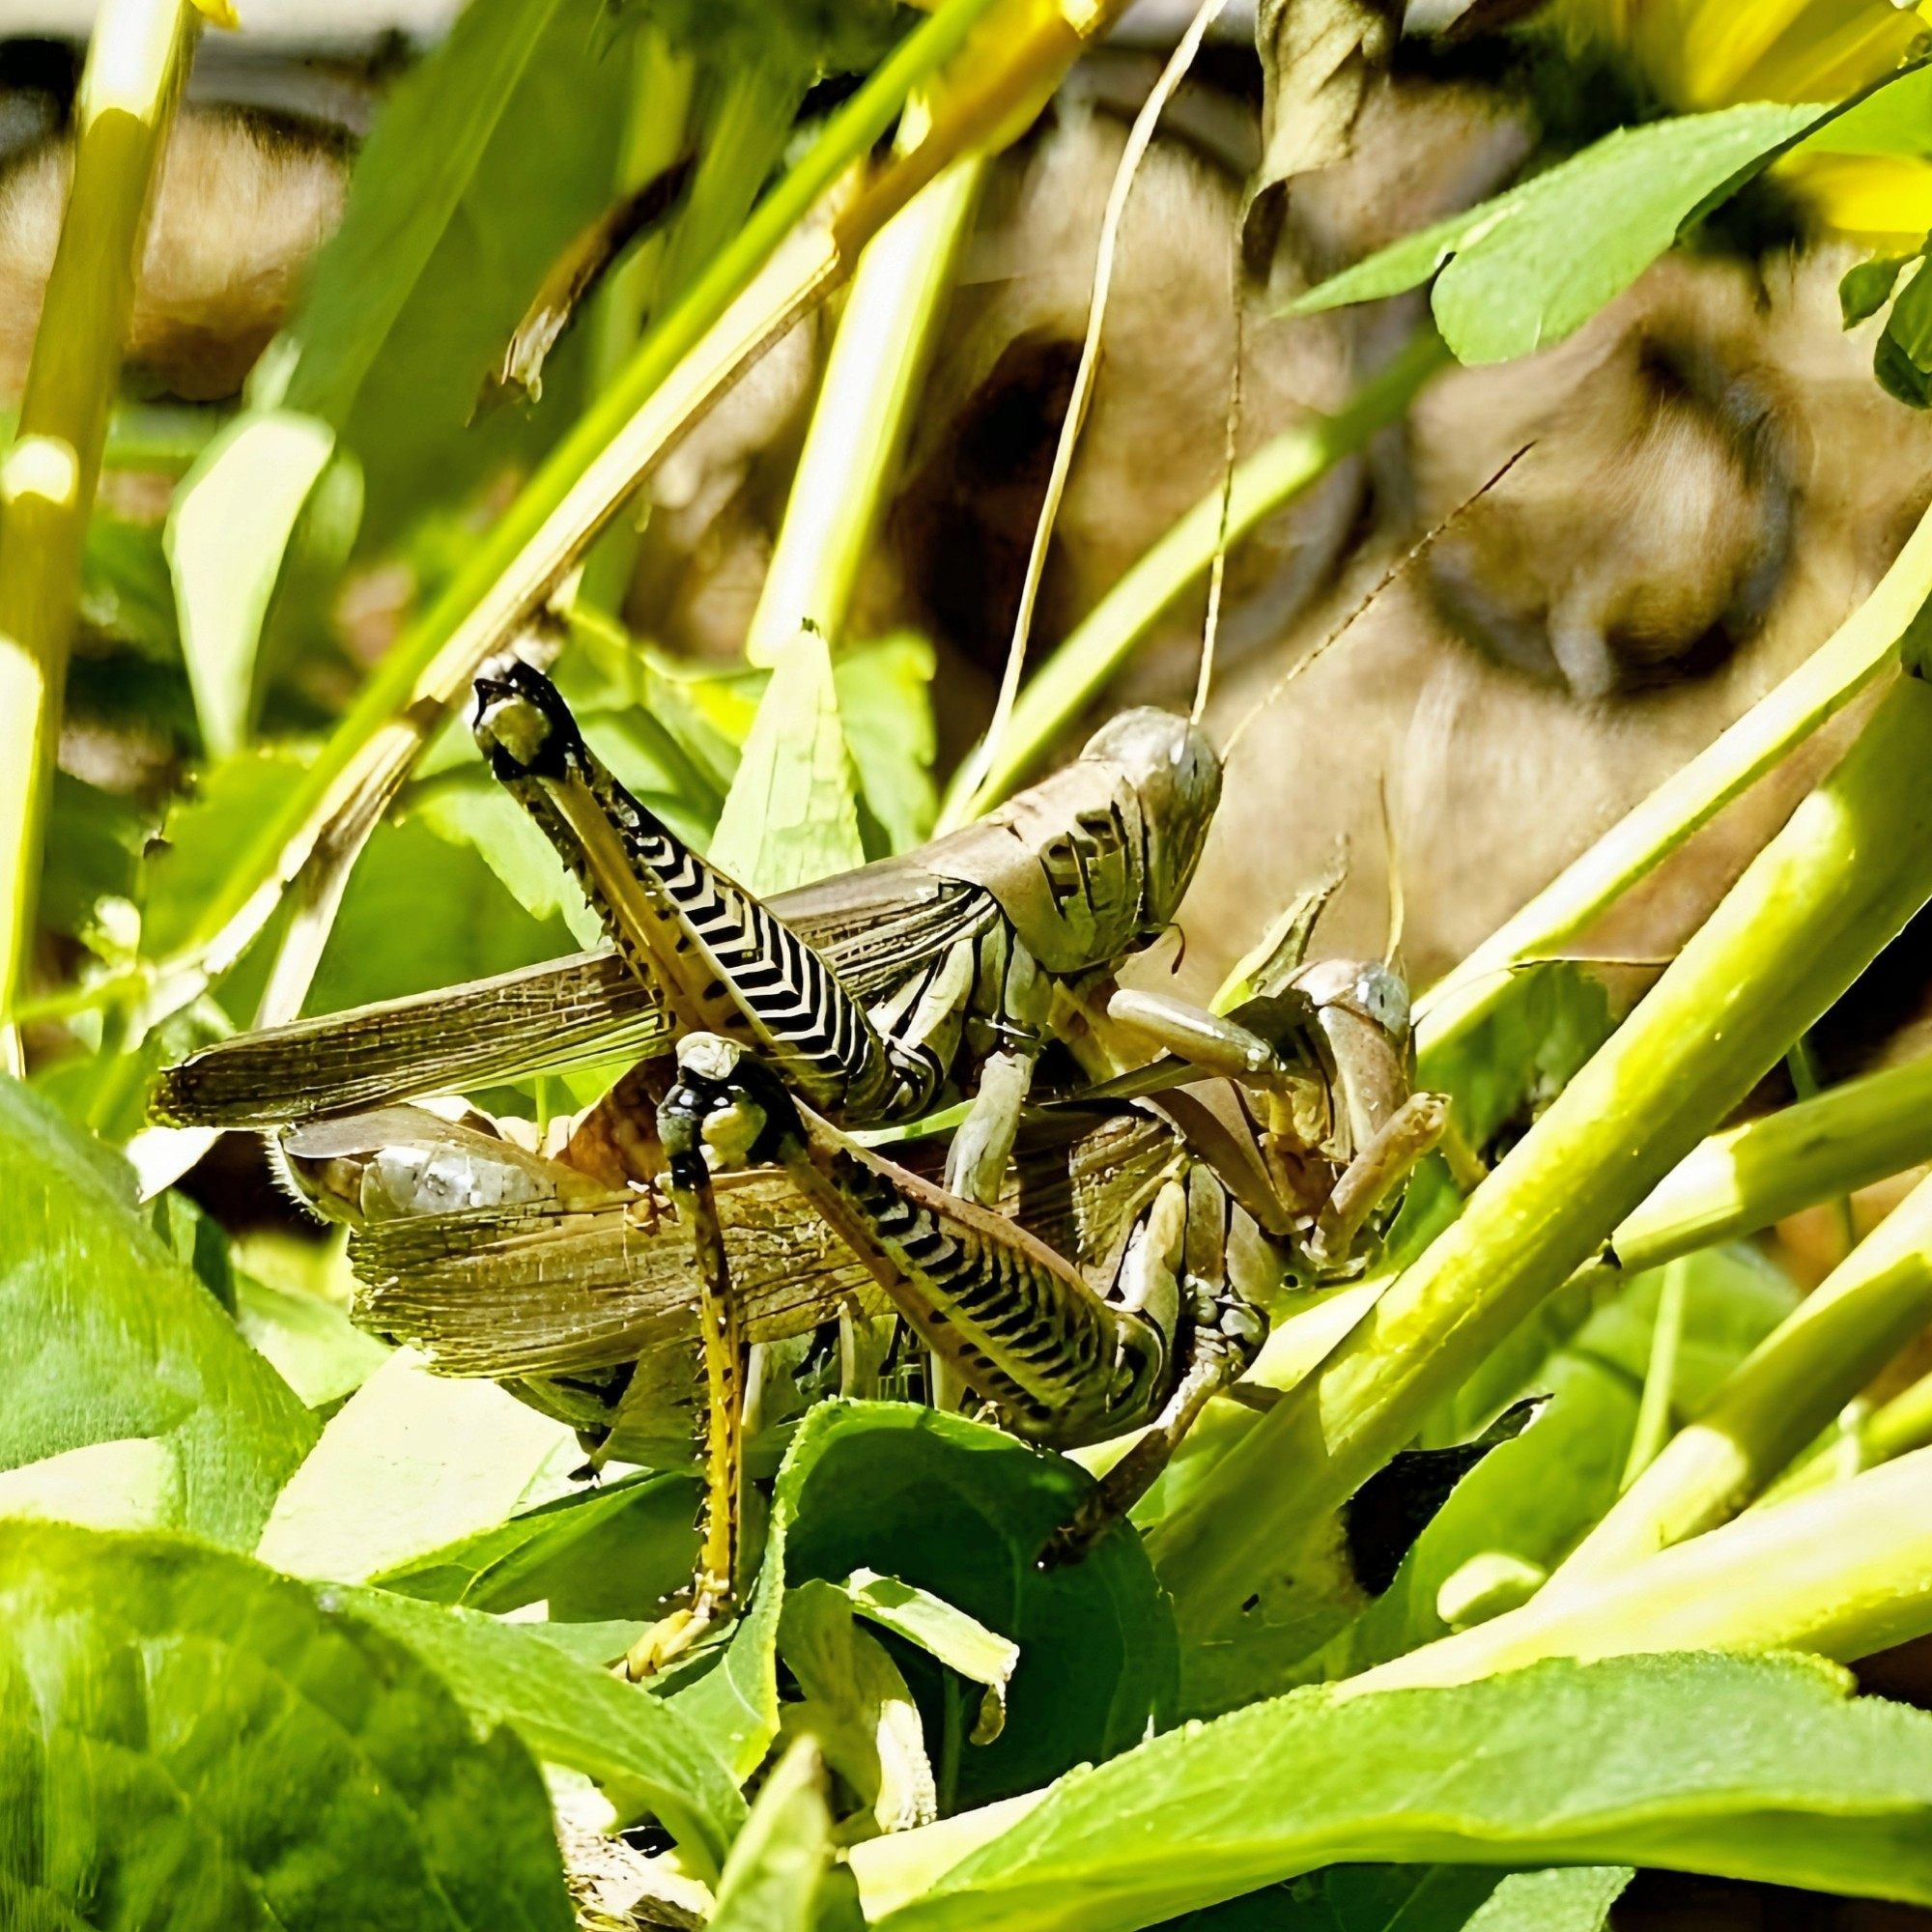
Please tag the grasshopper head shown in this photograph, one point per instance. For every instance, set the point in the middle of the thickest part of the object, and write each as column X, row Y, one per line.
column 1176, row 773
column 727, row 1109
column 523, row 726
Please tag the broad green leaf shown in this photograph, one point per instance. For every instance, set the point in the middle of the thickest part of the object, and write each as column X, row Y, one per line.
column 637, row 1745
column 961, row 1511
column 1535, row 264
column 1756, row 1767
column 421, row 914
column 486, row 160
column 469, row 807
column 94, row 845
column 781, row 1864
column 314, row 1347
column 124, row 590
column 106, row 1336
column 410, row 180
column 885, row 706
column 791, row 815
column 227, row 529
column 411, row 1463
column 188, row 1741
column 611, row 1553
column 1422, row 1898
column 1866, row 289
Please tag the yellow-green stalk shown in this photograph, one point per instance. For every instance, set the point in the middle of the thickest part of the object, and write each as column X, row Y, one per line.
column 47, row 473
column 1843, row 1571
column 858, row 424
column 1774, row 1402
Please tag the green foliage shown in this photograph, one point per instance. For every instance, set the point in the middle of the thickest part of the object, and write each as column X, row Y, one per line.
column 1759, row 1766
column 1422, row 1898
column 189, row 1741
column 106, row 1336
column 639, row 1747
column 1533, row 264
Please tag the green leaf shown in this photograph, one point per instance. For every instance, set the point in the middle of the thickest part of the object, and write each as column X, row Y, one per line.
column 613, row 1552
column 856, row 1706
column 124, row 590
column 1536, row 262
column 94, row 845
column 1755, row 1767
column 313, row 1344
column 790, row 816
column 411, row 1463
column 1866, row 289
column 961, row 1511
column 779, row 1864
column 188, row 1741
column 1525, row 1053
column 469, row 807
column 885, row 706
column 1902, row 361
column 131, row 1484
column 227, row 529
column 202, row 833
column 487, row 159
column 637, row 1745
column 1422, row 1898
column 421, row 914
column 950, row 1635
column 106, row 1336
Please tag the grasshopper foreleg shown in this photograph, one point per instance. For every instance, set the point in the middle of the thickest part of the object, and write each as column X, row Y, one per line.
column 684, row 1133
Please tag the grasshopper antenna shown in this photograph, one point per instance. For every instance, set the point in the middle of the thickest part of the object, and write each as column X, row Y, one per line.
column 1392, row 858
column 1218, row 569
column 1381, row 583
column 1139, row 137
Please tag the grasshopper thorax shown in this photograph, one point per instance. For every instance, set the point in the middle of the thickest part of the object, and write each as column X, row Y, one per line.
column 1175, row 773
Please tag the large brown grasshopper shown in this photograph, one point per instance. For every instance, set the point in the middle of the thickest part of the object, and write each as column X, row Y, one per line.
column 875, row 994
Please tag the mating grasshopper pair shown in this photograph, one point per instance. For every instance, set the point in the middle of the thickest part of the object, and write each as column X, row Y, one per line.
column 866, row 1001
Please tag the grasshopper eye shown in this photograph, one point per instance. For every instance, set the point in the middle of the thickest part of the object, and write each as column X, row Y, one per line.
column 1384, row 998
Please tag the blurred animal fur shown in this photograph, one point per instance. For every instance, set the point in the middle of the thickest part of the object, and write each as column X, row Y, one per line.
column 240, row 207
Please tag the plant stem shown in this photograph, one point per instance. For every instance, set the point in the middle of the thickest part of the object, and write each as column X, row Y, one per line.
column 48, row 475
column 1843, row 1572
column 1103, row 641
column 858, row 424
column 1660, row 1381
column 1850, row 867
column 1775, row 1399
column 1784, row 717
column 1743, row 1179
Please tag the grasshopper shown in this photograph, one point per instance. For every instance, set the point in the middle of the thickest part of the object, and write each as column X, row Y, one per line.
column 874, row 994
column 1129, row 1287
